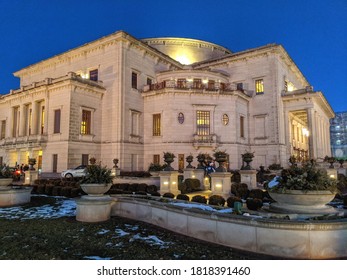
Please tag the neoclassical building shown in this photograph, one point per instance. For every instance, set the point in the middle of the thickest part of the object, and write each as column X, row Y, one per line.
column 131, row 99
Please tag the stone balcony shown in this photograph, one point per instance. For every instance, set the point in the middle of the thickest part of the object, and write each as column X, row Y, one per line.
column 205, row 141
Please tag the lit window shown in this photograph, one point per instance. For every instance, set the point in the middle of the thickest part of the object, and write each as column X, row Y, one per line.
column 93, row 75
column 225, row 119
column 259, row 86
column 156, row 124
column 180, row 118
column 203, row 122
column 86, row 122
column 134, row 80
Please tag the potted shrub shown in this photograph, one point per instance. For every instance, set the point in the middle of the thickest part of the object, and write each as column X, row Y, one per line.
column 6, row 176
column 247, row 157
column 304, row 189
column 221, row 157
column 168, row 158
column 98, row 179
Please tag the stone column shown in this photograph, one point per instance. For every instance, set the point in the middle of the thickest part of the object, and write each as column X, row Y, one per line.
column 249, row 177
column 221, row 183
column 313, row 133
column 169, row 182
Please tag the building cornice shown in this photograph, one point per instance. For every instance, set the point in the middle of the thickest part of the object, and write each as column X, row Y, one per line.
column 101, row 43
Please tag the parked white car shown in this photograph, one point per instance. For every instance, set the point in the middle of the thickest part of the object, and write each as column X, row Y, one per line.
column 79, row 171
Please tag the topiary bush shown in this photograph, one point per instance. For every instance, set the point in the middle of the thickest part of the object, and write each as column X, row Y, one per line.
column 240, row 190
column 169, row 195
column 254, row 203
column 182, row 197
column 199, row 199
column 216, row 200
column 232, row 199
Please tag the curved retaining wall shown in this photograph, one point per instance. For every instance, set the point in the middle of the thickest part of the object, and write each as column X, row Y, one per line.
column 282, row 238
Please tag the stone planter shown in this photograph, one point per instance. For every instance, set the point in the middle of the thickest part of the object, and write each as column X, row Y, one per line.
column 297, row 201
column 95, row 189
column 4, row 183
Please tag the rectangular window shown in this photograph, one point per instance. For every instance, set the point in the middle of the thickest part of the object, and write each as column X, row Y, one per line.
column 203, row 122
column 15, row 127
column 259, row 86
column 85, row 159
column 86, row 122
column 134, row 80
column 156, row 124
column 42, row 119
column 181, row 83
column 55, row 163
column 30, row 120
column 156, row 159
column 242, row 126
column 3, row 130
column 57, row 116
column 197, row 83
column 93, row 75
column 211, row 84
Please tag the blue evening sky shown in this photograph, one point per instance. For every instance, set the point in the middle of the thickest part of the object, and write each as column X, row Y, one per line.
column 312, row 31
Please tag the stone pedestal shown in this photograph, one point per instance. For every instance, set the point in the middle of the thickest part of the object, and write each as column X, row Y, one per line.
column 332, row 173
column 221, row 183
column 197, row 174
column 93, row 209
column 30, row 177
column 169, row 182
column 115, row 172
column 249, row 177
column 342, row 171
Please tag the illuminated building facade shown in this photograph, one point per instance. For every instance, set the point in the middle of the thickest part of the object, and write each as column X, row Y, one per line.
column 338, row 134
column 121, row 97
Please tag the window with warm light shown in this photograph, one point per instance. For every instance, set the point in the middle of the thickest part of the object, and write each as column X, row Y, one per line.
column 225, row 119
column 203, row 122
column 259, row 86
column 86, row 122
column 156, row 124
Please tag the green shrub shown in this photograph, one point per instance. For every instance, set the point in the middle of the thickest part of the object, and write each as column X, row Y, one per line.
column 254, row 203
column 169, row 195
column 182, row 197
column 240, row 190
column 199, row 199
column 216, row 200
column 232, row 199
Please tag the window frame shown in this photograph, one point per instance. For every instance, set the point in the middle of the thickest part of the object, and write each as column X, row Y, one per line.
column 259, row 86
column 156, row 124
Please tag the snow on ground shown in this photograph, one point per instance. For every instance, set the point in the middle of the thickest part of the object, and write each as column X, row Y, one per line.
column 63, row 207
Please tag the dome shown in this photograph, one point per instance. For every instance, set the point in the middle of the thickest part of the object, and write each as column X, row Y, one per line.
column 187, row 51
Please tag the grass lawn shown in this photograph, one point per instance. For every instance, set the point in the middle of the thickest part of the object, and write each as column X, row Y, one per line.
column 46, row 229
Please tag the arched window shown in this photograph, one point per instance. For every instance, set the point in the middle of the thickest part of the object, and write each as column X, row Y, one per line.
column 225, row 119
column 180, row 118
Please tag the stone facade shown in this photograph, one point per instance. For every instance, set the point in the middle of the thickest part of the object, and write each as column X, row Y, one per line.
column 120, row 97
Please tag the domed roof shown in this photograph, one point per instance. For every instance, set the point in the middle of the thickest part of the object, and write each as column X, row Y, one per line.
column 187, row 51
